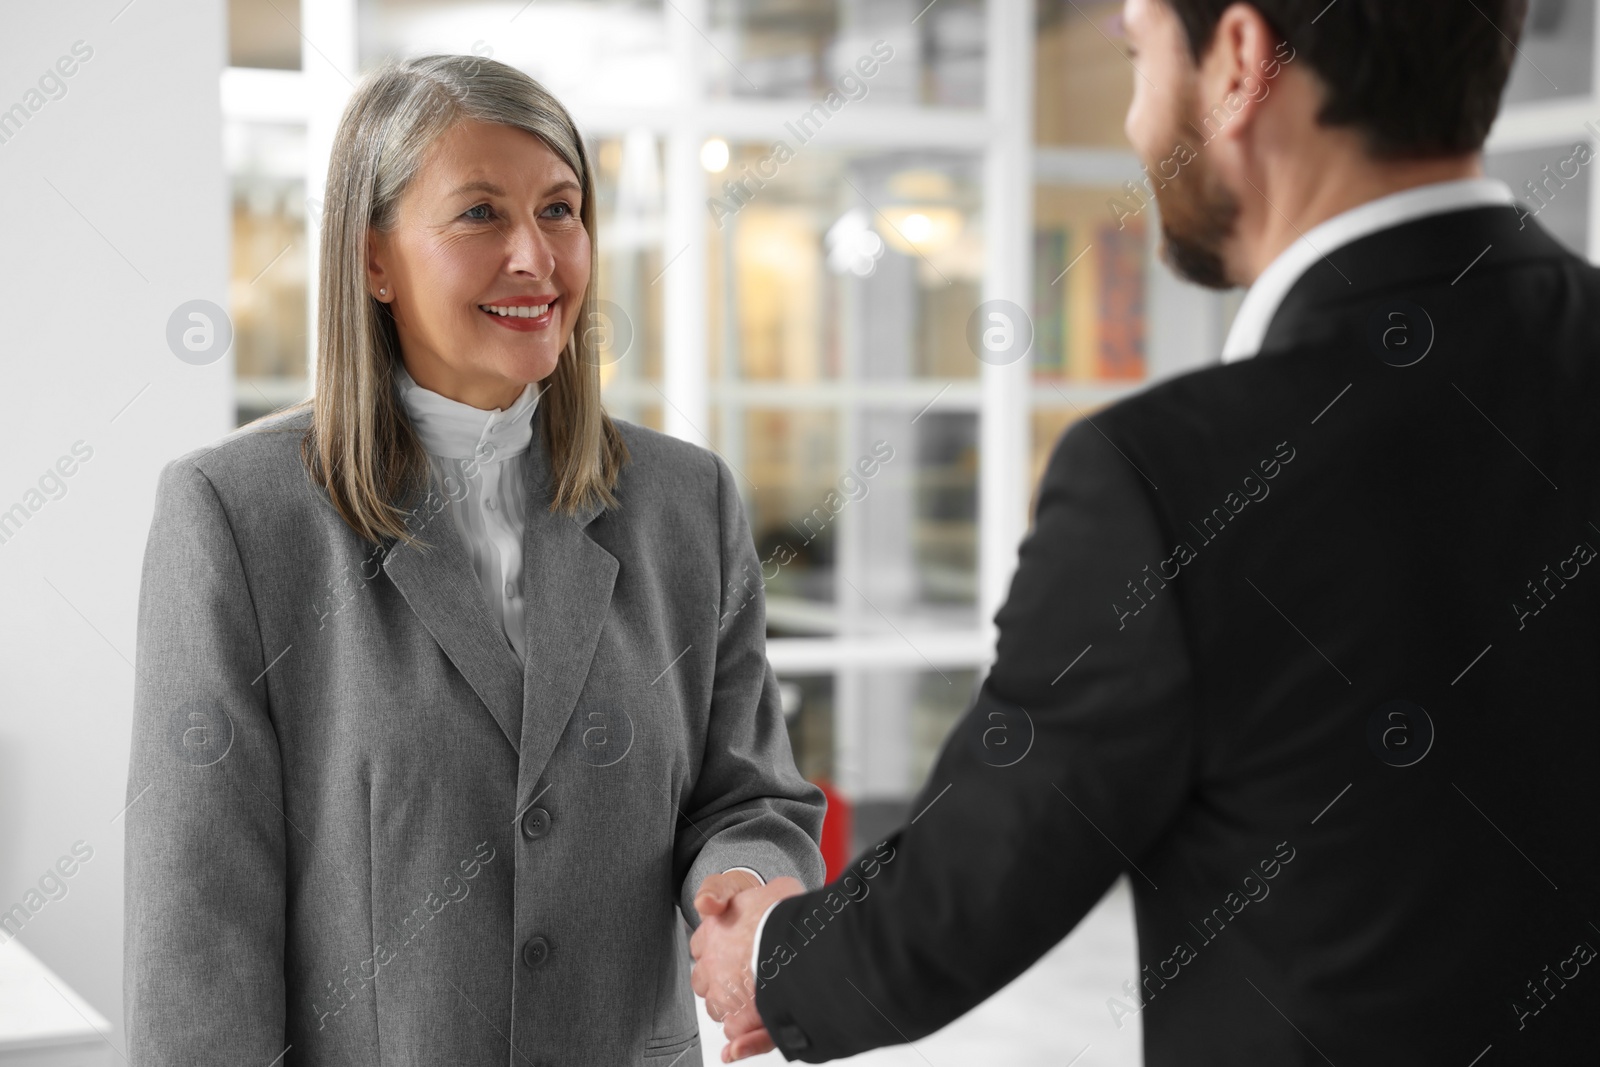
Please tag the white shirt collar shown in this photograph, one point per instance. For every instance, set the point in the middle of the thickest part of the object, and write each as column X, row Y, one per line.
column 1262, row 299
column 453, row 430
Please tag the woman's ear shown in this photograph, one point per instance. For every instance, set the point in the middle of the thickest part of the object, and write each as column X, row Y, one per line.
column 377, row 278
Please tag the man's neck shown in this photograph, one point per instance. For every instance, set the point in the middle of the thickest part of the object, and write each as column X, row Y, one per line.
column 1276, row 213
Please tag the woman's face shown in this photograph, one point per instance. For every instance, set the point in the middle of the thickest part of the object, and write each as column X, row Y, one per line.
column 491, row 220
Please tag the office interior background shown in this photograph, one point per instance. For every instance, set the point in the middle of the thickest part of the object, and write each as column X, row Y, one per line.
column 795, row 310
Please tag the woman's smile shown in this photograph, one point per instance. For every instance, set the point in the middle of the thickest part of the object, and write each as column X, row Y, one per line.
column 524, row 314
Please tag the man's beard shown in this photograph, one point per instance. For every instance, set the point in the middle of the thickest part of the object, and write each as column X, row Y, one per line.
column 1197, row 216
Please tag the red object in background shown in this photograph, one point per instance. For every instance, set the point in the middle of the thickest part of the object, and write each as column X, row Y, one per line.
column 836, row 829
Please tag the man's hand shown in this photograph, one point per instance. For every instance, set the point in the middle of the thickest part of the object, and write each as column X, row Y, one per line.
column 722, row 948
column 746, row 1034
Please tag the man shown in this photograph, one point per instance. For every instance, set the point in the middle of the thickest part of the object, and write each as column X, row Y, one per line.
column 1305, row 643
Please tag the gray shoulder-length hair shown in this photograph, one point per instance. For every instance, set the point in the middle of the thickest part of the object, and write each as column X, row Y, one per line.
column 360, row 446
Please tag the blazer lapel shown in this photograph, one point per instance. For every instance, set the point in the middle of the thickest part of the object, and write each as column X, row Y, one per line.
column 441, row 587
column 567, row 584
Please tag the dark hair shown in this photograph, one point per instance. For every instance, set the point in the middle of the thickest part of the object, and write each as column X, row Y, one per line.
column 1419, row 78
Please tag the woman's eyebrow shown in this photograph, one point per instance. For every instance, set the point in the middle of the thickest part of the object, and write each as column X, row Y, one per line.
column 483, row 186
column 479, row 186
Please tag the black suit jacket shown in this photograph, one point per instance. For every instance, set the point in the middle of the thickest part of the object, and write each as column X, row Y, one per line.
column 1309, row 645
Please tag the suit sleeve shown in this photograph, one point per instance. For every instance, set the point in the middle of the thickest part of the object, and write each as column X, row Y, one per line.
column 749, row 806
column 204, row 905
column 1074, row 758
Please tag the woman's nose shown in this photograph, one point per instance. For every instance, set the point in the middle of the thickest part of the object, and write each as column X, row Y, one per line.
column 530, row 251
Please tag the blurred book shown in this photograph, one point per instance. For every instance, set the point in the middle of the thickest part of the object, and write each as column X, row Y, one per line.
column 1088, row 303
column 1120, row 309
column 1049, row 310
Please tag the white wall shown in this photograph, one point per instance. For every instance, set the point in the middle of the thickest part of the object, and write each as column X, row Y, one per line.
column 113, row 212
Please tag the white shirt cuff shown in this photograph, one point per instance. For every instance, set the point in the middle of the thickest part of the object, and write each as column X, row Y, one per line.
column 747, row 870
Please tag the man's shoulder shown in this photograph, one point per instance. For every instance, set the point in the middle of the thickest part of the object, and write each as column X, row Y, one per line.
column 1200, row 404
column 1182, row 430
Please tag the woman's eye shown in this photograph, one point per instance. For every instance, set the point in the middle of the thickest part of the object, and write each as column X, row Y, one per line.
column 567, row 208
column 477, row 218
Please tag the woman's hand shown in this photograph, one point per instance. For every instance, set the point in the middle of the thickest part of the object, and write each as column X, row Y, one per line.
column 717, row 890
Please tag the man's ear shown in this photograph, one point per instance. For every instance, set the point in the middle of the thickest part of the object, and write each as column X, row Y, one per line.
column 1237, row 73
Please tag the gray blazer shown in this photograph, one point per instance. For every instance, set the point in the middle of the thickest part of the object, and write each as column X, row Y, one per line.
column 362, row 831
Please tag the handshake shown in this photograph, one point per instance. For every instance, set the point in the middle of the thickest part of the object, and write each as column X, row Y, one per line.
column 731, row 906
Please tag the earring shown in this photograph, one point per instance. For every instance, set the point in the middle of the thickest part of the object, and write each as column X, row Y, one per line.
column 382, row 291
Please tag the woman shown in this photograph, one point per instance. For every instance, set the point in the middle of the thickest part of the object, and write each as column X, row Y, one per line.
column 450, row 686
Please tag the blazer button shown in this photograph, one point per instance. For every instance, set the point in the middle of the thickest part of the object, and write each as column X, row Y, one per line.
column 792, row 1037
column 535, row 823
column 535, row 951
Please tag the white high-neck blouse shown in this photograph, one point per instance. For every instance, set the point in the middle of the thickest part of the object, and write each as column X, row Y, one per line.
column 490, row 515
